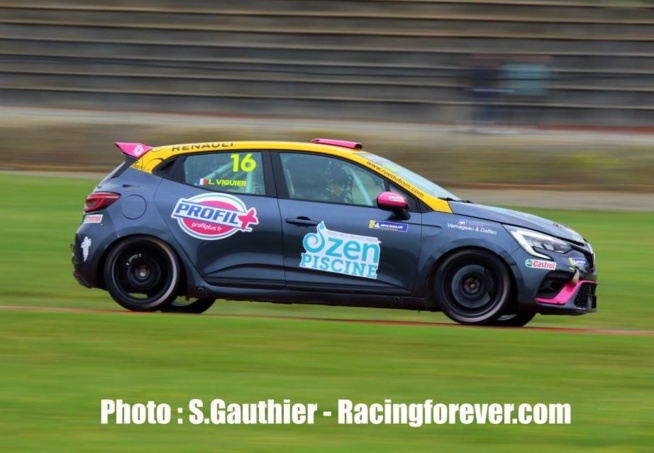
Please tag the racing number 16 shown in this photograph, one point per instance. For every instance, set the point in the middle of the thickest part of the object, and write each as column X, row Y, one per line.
column 247, row 164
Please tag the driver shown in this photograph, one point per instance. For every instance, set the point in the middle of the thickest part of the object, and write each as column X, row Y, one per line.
column 338, row 184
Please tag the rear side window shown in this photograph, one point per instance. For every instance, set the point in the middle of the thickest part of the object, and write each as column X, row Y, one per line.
column 240, row 172
column 119, row 170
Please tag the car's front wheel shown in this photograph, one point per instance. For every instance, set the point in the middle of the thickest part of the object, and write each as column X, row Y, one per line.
column 472, row 287
column 195, row 306
column 142, row 274
column 513, row 320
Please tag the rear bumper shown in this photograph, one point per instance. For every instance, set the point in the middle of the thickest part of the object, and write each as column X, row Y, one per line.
column 87, row 250
column 77, row 261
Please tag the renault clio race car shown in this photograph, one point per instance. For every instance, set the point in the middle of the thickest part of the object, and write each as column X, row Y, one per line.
column 175, row 227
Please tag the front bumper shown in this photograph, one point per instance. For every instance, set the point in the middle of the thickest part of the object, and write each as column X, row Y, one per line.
column 564, row 285
column 574, row 298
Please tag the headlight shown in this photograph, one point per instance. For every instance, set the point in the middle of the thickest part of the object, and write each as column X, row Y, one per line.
column 530, row 240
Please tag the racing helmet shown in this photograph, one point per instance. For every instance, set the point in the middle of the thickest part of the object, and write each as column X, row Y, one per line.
column 338, row 183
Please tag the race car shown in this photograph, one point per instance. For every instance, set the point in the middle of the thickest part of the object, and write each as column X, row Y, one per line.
column 173, row 228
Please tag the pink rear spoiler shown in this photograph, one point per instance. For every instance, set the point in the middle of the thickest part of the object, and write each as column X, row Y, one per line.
column 134, row 150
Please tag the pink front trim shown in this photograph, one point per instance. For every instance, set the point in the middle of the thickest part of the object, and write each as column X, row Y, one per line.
column 565, row 294
column 343, row 143
column 135, row 150
column 392, row 199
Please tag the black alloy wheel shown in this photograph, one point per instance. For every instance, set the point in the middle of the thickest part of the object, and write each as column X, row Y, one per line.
column 472, row 287
column 142, row 274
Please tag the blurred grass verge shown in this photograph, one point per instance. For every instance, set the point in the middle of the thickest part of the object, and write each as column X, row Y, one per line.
column 524, row 158
column 58, row 366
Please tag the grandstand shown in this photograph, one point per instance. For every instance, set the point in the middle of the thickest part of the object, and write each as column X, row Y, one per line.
column 401, row 60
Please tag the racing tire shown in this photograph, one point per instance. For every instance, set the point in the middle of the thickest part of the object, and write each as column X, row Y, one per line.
column 142, row 274
column 196, row 306
column 513, row 320
column 472, row 287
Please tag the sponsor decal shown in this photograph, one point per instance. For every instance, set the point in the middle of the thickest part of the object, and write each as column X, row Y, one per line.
column 214, row 216
column 392, row 176
column 540, row 264
column 341, row 253
column 381, row 225
column 579, row 262
column 221, row 182
column 93, row 218
column 139, row 150
column 202, row 146
column 397, row 198
column 473, row 226
column 85, row 246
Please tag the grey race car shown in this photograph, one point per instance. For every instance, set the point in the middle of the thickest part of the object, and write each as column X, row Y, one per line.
column 175, row 227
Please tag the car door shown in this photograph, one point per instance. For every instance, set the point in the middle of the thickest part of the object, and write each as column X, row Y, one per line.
column 221, row 208
column 335, row 237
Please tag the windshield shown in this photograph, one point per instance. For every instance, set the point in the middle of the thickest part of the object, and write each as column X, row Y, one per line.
column 415, row 179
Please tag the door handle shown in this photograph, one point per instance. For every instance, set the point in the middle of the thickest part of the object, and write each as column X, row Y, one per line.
column 302, row 221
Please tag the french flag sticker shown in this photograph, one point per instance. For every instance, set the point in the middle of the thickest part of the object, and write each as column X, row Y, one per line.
column 202, row 182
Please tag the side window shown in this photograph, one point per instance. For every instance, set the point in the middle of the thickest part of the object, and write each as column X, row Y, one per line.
column 240, row 172
column 324, row 178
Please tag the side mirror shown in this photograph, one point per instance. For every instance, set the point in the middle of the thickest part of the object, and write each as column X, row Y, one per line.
column 396, row 203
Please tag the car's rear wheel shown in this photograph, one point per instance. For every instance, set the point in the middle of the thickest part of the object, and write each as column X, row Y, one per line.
column 193, row 306
column 513, row 320
column 142, row 274
column 472, row 287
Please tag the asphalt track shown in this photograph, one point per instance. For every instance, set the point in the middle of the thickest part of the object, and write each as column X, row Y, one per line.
column 640, row 333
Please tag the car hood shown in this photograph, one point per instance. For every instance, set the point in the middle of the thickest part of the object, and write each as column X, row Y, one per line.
column 516, row 218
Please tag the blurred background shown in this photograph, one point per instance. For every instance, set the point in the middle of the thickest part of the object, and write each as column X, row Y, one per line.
column 548, row 92
column 481, row 96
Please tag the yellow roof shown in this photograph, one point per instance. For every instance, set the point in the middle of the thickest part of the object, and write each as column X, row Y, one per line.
column 149, row 161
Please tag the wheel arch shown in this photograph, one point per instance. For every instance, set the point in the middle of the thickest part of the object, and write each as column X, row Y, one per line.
column 183, row 286
column 430, row 298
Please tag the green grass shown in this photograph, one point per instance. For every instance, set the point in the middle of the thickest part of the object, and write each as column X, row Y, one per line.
column 57, row 366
